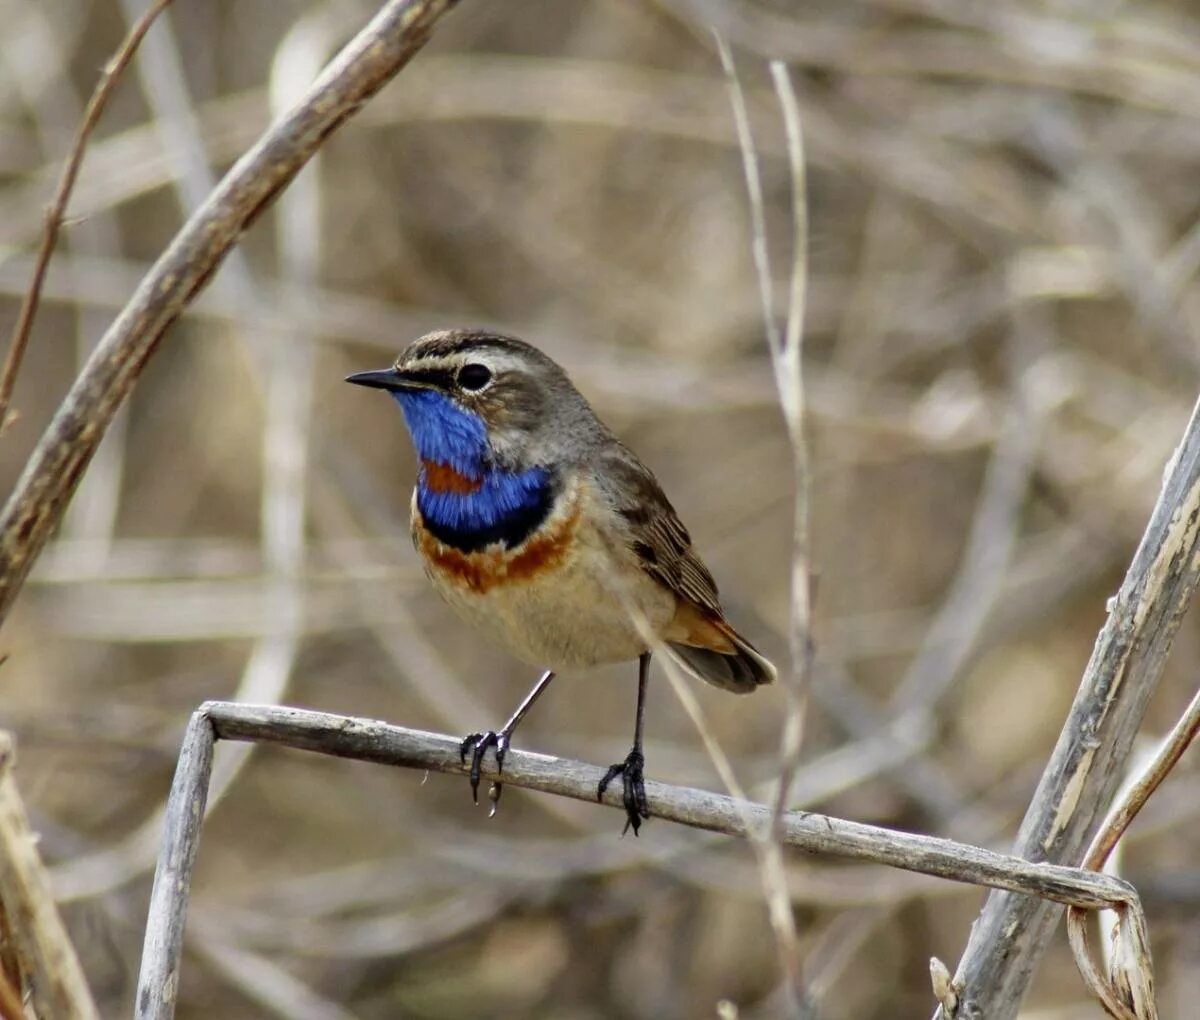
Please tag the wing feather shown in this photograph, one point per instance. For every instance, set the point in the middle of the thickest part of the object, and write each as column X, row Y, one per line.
column 656, row 535
column 662, row 547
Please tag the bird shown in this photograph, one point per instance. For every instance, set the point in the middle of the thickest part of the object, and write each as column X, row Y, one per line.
column 546, row 532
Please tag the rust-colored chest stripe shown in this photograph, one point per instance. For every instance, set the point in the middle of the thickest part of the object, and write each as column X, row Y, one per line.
column 443, row 478
column 495, row 566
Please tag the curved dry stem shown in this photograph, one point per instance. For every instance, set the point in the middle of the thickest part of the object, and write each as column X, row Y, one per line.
column 1124, row 994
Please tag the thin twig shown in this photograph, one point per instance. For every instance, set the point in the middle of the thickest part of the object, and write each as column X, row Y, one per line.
column 1131, row 999
column 364, row 66
column 758, row 220
column 56, row 981
column 62, row 195
column 788, row 362
column 785, row 356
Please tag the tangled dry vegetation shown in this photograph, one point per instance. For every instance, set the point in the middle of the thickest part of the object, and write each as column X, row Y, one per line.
column 1001, row 354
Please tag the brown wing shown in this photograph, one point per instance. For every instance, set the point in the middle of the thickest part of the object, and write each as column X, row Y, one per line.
column 699, row 633
column 656, row 534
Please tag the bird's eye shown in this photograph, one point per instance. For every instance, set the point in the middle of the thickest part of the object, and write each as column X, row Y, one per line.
column 474, row 377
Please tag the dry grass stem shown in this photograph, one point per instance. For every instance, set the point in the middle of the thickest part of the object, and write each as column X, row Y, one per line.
column 62, row 195
column 788, row 364
column 785, row 356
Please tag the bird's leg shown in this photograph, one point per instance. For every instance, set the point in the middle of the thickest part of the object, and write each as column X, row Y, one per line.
column 630, row 770
column 478, row 743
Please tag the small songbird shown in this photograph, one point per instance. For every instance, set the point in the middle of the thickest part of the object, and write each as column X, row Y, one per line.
column 545, row 531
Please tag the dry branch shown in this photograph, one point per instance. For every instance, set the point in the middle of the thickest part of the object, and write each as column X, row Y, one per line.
column 366, row 64
column 1086, row 765
column 379, row 742
column 52, row 969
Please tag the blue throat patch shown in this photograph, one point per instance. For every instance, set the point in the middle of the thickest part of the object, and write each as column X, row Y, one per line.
column 506, row 507
column 443, row 432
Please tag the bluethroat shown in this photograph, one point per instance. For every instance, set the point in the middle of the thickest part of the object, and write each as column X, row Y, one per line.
column 546, row 532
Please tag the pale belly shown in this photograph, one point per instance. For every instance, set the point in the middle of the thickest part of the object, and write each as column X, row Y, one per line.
column 579, row 610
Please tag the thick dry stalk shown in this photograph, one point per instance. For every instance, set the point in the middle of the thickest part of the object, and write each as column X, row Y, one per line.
column 48, row 959
column 1009, row 938
column 366, row 64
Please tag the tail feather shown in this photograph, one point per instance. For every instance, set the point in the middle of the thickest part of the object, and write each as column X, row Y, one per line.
column 740, row 671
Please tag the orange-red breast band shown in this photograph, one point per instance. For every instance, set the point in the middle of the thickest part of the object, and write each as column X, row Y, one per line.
column 482, row 571
column 443, row 478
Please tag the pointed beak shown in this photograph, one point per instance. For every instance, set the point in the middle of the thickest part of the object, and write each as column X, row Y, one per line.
column 391, row 379
column 395, row 379
column 383, row 379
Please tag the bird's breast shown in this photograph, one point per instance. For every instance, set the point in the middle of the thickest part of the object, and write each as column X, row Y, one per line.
column 480, row 567
column 471, row 510
column 564, row 597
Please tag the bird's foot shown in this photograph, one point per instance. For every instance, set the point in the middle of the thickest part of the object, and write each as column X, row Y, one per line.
column 477, row 744
column 630, row 771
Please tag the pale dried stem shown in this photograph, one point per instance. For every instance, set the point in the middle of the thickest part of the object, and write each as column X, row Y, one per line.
column 785, row 357
column 788, row 362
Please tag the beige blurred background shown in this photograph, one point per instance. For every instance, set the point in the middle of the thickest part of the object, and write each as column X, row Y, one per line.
column 1001, row 353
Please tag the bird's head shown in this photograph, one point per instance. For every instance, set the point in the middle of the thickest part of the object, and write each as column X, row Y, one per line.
column 474, row 399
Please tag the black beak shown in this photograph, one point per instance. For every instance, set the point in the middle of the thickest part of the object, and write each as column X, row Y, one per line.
column 409, row 379
column 383, row 379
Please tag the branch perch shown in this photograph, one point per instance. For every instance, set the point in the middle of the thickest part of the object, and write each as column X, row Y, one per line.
column 369, row 740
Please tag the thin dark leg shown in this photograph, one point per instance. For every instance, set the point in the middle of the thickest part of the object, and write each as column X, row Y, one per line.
column 478, row 743
column 630, row 770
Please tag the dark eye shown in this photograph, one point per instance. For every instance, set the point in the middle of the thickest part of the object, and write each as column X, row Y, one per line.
column 474, row 377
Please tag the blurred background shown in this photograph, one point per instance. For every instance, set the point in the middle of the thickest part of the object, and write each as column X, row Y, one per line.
column 1001, row 354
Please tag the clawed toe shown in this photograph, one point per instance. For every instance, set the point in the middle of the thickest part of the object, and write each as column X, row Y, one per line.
column 477, row 744
column 633, row 789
